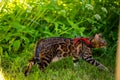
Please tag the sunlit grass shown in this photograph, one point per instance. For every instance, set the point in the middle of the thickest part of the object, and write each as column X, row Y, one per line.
column 1, row 75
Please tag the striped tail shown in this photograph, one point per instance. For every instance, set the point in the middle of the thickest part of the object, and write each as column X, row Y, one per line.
column 34, row 60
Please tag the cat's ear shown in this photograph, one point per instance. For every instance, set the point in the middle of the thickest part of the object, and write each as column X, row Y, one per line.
column 100, row 34
column 97, row 36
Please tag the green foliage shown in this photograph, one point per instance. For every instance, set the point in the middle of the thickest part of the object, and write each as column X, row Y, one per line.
column 22, row 23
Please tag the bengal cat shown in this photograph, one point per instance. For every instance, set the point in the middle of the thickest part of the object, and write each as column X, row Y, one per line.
column 54, row 49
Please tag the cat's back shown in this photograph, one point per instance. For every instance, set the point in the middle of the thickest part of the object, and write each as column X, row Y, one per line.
column 54, row 41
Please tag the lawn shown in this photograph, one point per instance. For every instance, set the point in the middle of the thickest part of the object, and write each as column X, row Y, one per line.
column 13, row 69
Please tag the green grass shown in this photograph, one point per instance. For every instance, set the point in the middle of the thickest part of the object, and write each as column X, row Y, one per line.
column 84, row 72
column 13, row 69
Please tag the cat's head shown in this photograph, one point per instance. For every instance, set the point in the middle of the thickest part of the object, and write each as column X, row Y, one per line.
column 98, row 42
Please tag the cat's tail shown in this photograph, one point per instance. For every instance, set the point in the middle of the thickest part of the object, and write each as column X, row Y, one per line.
column 29, row 66
column 35, row 59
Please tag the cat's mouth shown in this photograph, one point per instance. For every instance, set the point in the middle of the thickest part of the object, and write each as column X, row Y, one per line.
column 104, row 47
